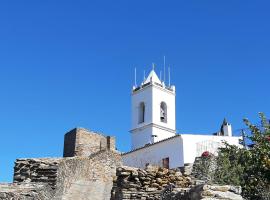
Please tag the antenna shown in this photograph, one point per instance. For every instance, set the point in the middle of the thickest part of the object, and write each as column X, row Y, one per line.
column 143, row 75
column 164, row 69
column 169, row 72
column 135, row 78
column 160, row 75
column 153, row 66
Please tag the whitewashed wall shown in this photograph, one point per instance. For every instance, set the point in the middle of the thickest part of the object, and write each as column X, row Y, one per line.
column 154, row 154
column 152, row 96
column 143, row 95
column 163, row 95
column 195, row 145
column 180, row 149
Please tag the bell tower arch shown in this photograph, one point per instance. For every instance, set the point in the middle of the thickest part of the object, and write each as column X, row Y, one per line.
column 153, row 111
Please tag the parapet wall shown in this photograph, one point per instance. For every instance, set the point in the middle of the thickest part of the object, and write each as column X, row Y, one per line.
column 82, row 142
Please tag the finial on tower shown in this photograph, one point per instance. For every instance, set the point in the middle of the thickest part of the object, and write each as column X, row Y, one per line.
column 153, row 66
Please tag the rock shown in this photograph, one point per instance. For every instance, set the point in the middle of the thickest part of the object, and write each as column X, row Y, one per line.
column 141, row 173
column 152, row 183
column 236, row 189
column 207, row 193
column 134, row 173
column 151, row 189
column 224, row 188
column 124, row 173
column 178, row 173
column 146, row 183
column 151, row 168
column 159, row 180
column 160, row 174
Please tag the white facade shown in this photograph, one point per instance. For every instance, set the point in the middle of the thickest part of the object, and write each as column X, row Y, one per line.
column 153, row 154
column 180, row 150
column 153, row 132
column 153, row 112
column 195, row 145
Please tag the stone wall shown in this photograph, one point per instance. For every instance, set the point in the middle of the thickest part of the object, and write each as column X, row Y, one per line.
column 82, row 142
column 213, row 192
column 95, row 172
column 155, row 183
column 37, row 170
column 87, row 177
column 70, row 178
column 151, row 183
column 86, row 171
column 25, row 191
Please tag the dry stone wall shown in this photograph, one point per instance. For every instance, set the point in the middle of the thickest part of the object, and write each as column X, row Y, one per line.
column 37, row 170
column 68, row 178
column 151, row 183
column 25, row 191
column 155, row 183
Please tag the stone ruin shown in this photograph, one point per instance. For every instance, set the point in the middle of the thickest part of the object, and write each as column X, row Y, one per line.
column 91, row 169
column 85, row 172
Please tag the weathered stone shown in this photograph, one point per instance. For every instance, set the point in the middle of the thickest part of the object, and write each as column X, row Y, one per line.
column 224, row 188
column 236, row 189
column 96, row 173
column 180, row 187
column 82, row 142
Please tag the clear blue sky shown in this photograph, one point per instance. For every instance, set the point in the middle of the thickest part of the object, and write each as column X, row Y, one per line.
column 66, row 64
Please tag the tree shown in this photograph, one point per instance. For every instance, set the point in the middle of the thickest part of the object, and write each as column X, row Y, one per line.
column 250, row 167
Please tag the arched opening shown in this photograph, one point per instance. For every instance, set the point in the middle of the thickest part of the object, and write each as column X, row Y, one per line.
column 141, row 112
column 163, row 112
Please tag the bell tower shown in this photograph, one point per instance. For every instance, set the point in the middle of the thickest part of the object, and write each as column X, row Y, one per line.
column 153, row 111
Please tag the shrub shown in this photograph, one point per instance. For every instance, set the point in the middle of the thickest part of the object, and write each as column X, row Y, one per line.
column 248, row 167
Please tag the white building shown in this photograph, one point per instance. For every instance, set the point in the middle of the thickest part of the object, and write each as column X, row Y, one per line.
column 153, row 132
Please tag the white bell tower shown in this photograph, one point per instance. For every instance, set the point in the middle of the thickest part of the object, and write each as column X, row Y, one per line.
column 153, row 112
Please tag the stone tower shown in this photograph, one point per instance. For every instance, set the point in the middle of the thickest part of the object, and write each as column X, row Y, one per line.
column 153, row 111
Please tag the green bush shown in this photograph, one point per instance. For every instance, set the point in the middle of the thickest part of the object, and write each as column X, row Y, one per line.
column 248, row 167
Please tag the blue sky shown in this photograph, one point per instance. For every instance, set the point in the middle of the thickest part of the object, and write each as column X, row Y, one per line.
column 66, row 64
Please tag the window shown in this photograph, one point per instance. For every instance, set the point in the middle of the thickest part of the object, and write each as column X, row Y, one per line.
column 166, row 163
column 163, row 112
column 141, row 112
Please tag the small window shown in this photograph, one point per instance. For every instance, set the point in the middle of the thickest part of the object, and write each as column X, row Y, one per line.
column 166, row 163
column 141, row 112
column 163, row 112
